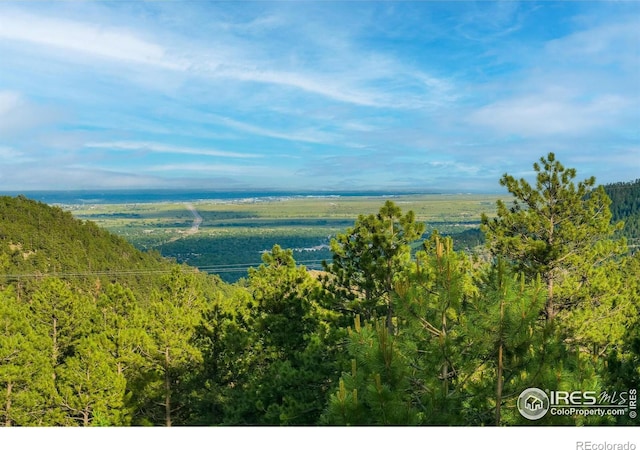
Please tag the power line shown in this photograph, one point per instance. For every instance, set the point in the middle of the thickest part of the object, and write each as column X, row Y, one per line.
column 223, row 268
column 82, row 274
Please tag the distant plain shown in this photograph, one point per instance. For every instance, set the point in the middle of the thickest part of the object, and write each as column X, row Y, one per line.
column 234, row 232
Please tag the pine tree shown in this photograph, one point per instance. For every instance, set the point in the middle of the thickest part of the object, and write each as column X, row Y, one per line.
column 503, row 337
column 367, row 259
column 170, row 354
column 90, row 389
column 290, row 355
column 26, row 382
column 431, row 301
column 282, row 292
column 63, row 317
column 376, row 390
column 120, row 333
column 120, row 324
column 557, row 229
column 225, row 340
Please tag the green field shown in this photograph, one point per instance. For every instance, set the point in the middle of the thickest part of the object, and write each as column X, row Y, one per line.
column 233, row 234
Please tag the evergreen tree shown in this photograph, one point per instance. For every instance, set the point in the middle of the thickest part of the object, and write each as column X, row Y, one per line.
column 367, row 259
column 291, row 360
column 620, row 368
column 282, row 293
column 557, row 229
column 26, row 374
column 120, row 325
column 90, row 389
column 625, row 206
column 377, row 390
column 432, row 297
column 121, row 334
column 170, row 355
column 503, row 337
column 62, row 315
column 225, row 341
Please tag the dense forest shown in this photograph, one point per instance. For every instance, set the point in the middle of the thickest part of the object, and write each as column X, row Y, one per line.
column 96, row 333
column 625, row 206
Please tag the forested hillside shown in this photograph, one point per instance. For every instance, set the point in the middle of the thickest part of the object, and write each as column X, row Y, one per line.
column 625, row 206
column 38, row 241
column 94, row 332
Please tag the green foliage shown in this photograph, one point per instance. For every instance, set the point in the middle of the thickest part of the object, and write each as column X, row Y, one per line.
column 366, row 260
column 90, row 387
column 507, row 340
column 557, row 229
column 625, row 199
column 625, row 206
column 169, row 352
column 377, row 389
column 38, row 240
column 289, row 355
column 564, row 233
column 95, row 333
column 432, row 298
column 62, row 315
column 283, row 296
column 26, row 373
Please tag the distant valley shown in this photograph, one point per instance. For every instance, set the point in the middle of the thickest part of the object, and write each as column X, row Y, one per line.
column 227, row 235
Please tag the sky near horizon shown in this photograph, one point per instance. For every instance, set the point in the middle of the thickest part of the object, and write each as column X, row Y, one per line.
column 302, row 95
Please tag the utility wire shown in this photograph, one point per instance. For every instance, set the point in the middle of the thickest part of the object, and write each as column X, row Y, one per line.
column 226, row 268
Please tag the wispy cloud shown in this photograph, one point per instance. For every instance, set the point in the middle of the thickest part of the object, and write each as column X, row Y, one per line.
column 600, row 44
column 305, row 135
column 487, row 21
column 339, row 94
column 85, row 38
column 542, row 115
column 584, row 83
column 235, row 169
column 12, row 154
column 163, row 148
column 365, row 80
column 17, row 114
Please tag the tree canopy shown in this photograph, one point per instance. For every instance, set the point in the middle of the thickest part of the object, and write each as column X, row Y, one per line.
column 400, row 328
column 558, row 229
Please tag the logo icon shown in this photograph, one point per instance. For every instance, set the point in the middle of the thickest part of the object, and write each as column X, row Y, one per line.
column 533, row 403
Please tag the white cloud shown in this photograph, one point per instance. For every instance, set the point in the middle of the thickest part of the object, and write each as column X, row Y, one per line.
column 191, row 85
column 85, row 38
column 305, row 135
column 599, row 45
column 10, row 153
column 545, row 115
column 487, row 21
column 17, row 114
column 313, row 84
column 163, row 148
column 582, row 84
column 352, row 76
column 231, row 170
column 9, row 101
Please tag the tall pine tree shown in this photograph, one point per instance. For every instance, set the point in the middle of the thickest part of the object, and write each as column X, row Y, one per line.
column 558, row 229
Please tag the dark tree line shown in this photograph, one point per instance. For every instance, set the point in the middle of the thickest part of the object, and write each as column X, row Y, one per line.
column 625, row 206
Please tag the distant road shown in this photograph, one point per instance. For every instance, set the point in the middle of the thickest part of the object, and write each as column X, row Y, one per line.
column 195, row 226
column 197, row 219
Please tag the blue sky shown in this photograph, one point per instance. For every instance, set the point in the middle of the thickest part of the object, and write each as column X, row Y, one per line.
column 301, row 95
